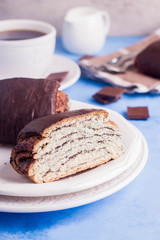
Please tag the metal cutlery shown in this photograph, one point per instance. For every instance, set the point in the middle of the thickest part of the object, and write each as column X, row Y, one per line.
column 120, row 64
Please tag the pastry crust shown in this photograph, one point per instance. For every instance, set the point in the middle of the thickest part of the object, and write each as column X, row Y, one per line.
column 62, row 102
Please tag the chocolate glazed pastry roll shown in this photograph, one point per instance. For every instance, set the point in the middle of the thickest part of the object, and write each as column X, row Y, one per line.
column 63, row 144
column 25, row 99
column 148, row 60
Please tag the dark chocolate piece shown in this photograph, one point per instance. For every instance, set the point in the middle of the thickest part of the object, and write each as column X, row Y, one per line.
column 108, row 94
column 23, row 100
column 37, row 126
column 59, row 76
column 104, row 100
column 137, row 113
column 148, row 60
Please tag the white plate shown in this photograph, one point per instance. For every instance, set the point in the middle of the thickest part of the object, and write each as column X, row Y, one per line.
column 42, row 204
column 62, row 64
column 13, row 184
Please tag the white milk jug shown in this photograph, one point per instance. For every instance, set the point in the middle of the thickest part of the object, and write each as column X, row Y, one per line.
column 84, row 30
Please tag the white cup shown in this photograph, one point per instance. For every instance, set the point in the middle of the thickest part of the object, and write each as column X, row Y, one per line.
column 29, row 57
column 85, row 29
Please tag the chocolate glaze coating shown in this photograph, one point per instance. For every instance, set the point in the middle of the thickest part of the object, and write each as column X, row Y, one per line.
column 148, row 60
column 23, row 100
column 36, row 127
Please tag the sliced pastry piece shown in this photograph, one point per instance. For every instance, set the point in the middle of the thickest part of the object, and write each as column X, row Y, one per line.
column 63, row 144
column 25, row 99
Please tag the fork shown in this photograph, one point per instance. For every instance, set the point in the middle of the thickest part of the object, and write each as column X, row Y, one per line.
column 120, row 64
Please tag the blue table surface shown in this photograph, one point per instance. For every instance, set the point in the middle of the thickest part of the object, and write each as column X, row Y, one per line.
column 131, row 213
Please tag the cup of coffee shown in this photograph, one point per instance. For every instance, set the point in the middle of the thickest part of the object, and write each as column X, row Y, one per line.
column 26, row 47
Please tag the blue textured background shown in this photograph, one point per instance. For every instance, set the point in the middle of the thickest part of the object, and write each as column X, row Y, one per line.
column 134, row 211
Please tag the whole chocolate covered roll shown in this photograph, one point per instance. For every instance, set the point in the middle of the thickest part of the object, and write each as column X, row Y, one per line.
column 148, row 60
column 25, row 99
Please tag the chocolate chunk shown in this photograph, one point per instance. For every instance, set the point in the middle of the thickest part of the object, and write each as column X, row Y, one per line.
column 104, row 100
column 59, row 76
column 137, row 113
column 108, row 94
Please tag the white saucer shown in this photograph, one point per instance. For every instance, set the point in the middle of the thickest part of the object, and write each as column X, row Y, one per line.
column 43, row 204
column 62, row 64
column 13, row 184
column 59, row 64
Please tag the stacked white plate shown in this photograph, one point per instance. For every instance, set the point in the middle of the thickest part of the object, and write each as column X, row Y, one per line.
column 19, row 194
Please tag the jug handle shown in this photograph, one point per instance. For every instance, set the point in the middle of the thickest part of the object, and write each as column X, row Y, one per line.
column 107, row 21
